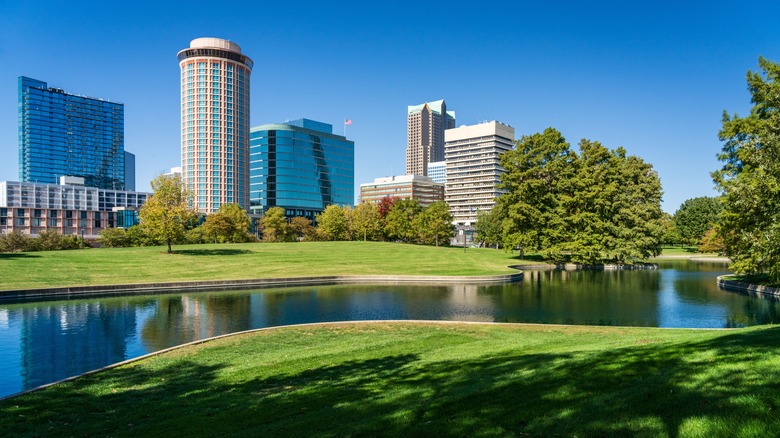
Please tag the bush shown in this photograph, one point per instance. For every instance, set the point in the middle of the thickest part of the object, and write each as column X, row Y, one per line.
column 115, row 238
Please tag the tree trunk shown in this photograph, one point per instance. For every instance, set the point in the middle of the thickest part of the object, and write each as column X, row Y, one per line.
column 170, row 251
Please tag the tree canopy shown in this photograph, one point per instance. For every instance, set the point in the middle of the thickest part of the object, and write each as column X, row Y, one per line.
column 695, row 216
column 228, row 224
column 167, row 212
column 750, row 178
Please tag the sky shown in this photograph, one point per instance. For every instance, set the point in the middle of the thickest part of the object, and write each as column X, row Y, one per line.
column 651, row 76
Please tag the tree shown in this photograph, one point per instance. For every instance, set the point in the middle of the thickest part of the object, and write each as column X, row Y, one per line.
column 301, row 228
column 695, row 216
column 488, row 226
column 670, row 235
column 750, row 178
column 274, row 225
column 434, row 224
column 228, row 224
column 114, row 238
column 400, row 219
column 366, row 221
column 333, row 222
column 165, row 213
column 712, row 242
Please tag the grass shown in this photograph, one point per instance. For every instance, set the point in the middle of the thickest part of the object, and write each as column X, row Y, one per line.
column 428, row 379
column 103, row 266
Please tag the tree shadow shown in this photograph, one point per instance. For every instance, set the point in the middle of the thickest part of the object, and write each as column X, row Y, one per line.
column 17, row 255
column 213, row 252
column 643, row 389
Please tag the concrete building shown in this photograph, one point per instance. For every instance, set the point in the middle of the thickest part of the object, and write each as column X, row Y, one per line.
column 67, row 208
column 421, row 188
column 67, row 134
column 301, row 166
column 426, row 124
column 215, row 123
column 438, row 171
column 473, row 168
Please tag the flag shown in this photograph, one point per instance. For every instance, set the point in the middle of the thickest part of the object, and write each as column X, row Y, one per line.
column 348, row 122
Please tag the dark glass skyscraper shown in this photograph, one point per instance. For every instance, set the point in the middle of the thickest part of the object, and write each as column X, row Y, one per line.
column 300, row 166
column 66, row 134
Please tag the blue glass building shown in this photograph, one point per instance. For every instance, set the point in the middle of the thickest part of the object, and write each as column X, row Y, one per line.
column 300, row 166
column 65, row 134
column 129, row 172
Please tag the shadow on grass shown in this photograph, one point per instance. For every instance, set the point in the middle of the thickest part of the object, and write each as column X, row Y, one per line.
column 17, row 255
column 724, row 387
column 213, row 252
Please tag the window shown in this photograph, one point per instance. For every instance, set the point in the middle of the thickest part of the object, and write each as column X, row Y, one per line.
column 53, row 213
column 53, row 222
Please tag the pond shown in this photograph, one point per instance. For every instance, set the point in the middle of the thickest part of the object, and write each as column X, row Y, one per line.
column 42, row 342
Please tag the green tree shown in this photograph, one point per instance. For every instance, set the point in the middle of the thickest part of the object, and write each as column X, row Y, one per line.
column 114, row 238
column 750, row 178
column 333, row 223
column 274, row 225
column 712, row 242
column 138, row 237
column 399, row 222
column 228, row 224
column 695, row 216
column 433, row 225
column 366, row 222
column 166, row 213
column 16, row 242
column 488, row 226
column 670, row 234
column 301, row 228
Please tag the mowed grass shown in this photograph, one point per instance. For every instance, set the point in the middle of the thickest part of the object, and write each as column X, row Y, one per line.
column 101, row 266
column 428, row 379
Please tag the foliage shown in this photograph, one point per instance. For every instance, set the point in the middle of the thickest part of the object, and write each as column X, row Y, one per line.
column 302, row 229
column 433, row 225
column 750, row 178
column 695, row 216
column 15, row 242
column 670, row 235
column 488, row 227
column 274, row 225
column 166, row 213
column 366, row 221
column 333, row 223
column 712, row 242
column 399, row 222
column 586, row 208
column 138, row 237
column 114, row 238
column 196, row 235
column 229, row 224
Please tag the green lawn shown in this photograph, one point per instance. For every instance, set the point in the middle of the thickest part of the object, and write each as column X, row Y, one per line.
column 242, row 261
column 428, row 379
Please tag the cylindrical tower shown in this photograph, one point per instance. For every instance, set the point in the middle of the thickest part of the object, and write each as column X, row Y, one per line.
column 215, row 123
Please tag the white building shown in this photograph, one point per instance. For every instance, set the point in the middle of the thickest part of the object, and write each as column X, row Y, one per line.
column 437, row 171
column 473, row 169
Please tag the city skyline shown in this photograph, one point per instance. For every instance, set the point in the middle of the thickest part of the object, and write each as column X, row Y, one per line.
column 650, row 78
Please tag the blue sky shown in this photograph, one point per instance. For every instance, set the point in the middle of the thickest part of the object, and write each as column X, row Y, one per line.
column 653, row 77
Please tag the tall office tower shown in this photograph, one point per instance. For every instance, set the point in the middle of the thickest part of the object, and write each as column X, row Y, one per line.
column 473, row 168
column 215, row 123
column 129, row 172
column 436, row 170
column 426, row 124
column 300, row 166
column 63, row 134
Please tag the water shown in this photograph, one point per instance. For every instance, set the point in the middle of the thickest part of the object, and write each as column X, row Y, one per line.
column 42, row 342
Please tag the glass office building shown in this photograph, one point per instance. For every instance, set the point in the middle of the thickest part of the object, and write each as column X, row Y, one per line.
column 129, row 172
column 300, row 166
column 62, row 134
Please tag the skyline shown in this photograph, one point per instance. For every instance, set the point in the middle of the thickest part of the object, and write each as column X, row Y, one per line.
column 653, row 79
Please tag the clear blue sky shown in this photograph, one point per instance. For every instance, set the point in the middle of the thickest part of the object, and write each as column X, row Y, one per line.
column 653, row 77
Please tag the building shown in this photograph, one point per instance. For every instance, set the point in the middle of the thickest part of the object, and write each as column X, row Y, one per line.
column 426, row 124
column 437, row 171
column 301, row 166
column 421, row 188
column 67, row 208
column 67, row 134
column 129, row 172
column 215, row 123
column 473, row 168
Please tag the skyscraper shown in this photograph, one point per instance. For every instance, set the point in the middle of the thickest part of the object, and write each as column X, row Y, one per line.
column 215, row 122
column 129, row 172
column 301, row 166
column 426, row 124
column 474, row 168
column 62, row 134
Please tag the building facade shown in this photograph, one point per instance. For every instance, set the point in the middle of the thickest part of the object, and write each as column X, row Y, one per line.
column 426, row 124
column 67, row 134
column 65, row 208
column 300, row 166
column 473, row 168
column 129, row 172
column 421, row 188
column 437, row 171
column 215, row 123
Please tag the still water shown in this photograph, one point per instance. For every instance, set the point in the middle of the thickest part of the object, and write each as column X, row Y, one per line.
column 47, row 341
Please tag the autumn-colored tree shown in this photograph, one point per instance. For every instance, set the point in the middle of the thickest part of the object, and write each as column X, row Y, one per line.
column 166, row 213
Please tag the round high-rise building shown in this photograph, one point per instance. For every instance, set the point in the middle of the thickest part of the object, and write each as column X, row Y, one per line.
column 215, row 123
